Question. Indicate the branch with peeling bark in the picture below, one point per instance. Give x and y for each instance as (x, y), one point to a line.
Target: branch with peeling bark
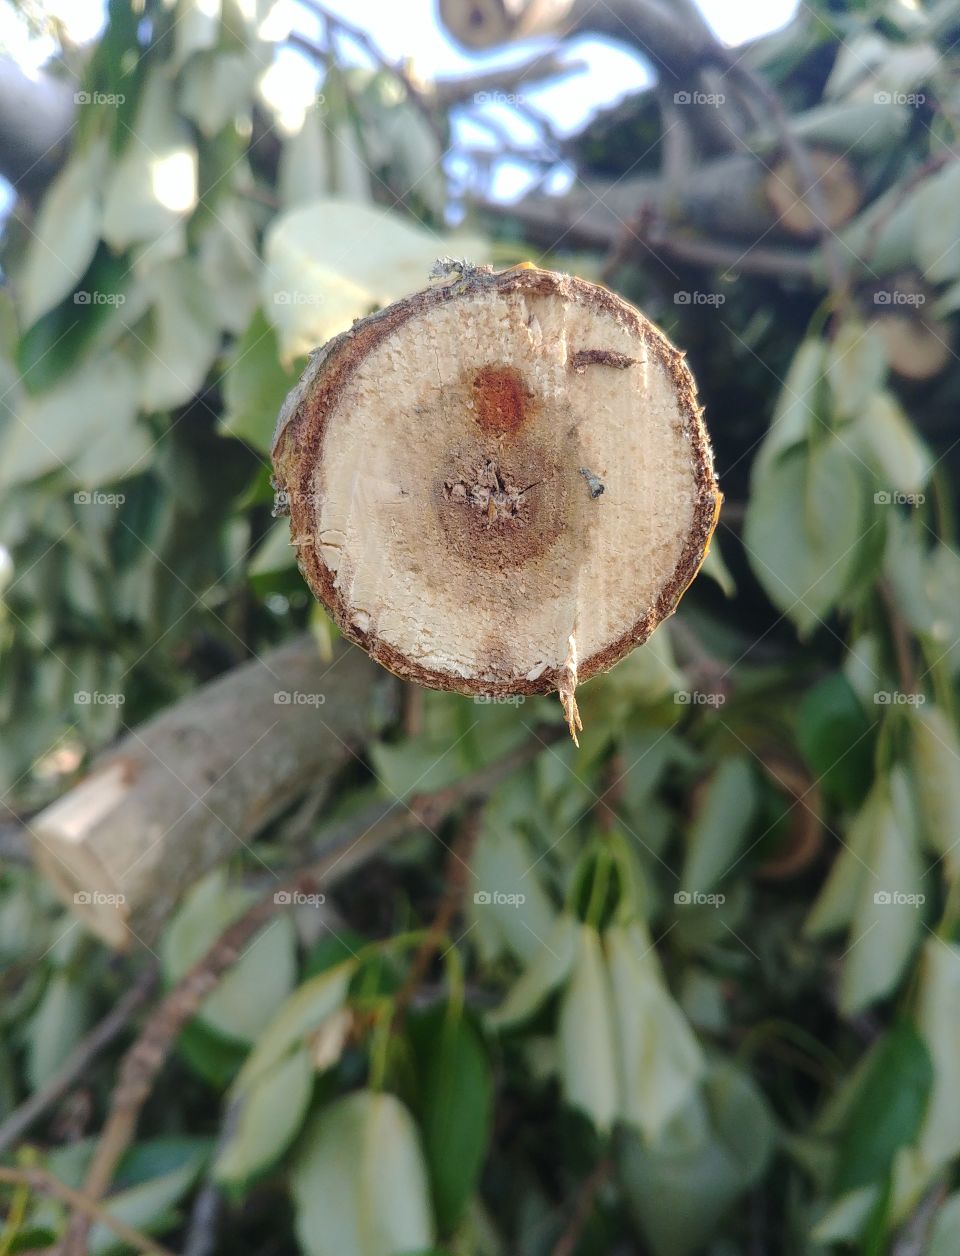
(179, 794)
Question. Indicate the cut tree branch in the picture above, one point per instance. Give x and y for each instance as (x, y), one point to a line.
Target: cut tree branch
(179, 794)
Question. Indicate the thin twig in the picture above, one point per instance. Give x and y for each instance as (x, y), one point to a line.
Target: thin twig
(79, 1059)
(566, 1245)
(41, 1180)
(347, 844)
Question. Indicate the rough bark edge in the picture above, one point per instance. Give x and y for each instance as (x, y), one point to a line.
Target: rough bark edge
(298, 447)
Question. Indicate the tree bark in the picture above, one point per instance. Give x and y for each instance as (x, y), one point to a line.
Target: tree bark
(194, 785)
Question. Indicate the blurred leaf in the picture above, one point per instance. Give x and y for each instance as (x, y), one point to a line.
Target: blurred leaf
(856, 367)
(798, 406)
(659, 1058)
(938, 1020)
(937, 240)
(266, 1118)
(549, 967)
(720, 825)
(803, 529)
(887, 1111)
(55, 1026)
(510, 906)
(332, 261)
(586, 1032)
(945, 1239)
(837, 740)
(359, 1181)
(184, 335)
(65, 235)
(255, 385)
(454, 1106)
(936, 771)
(153, 186)
(268, 964)
(147, 1207)
(887, 439)
(301, 1015)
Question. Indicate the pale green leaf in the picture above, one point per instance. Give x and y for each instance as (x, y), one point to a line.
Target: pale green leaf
(53, 1029)
(549, 968)
(937, 240)
(856, 367)
(887, 439)
(720, 826)
(359, 1181)
(586, 1033)
(799, 405)
(268, 1116)
(938, 1020)
(184, 335)
(64, 237)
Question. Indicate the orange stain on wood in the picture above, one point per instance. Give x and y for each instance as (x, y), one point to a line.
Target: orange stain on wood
(502, 403)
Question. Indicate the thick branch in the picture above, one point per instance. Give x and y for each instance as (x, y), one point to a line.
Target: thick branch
(182, 792)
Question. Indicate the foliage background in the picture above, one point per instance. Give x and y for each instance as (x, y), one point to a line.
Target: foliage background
(726, 1016)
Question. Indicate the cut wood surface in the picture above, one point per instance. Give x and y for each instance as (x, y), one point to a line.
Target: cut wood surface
(186, 790)
(500, 484)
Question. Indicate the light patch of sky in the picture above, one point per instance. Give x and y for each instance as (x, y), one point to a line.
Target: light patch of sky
(409, 29)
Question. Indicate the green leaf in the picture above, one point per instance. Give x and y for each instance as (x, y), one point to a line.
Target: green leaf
(887, 1110)
(798, 407)
(586, 1034)
(938, 1020)
(268, 965)
(255, 385)
(54, 1028)
(64, 237)
(837, 740)
(267, 1117)
(359, 1181)
(856, 367)
(153, 186)
(720, 825)
(887, 439)
(659, 1059)
(937, 239)
(945, 1239)
(183, 338)
(547, 970)
(332, 261)
(454, 1108)
(804, 528)
(147, 1206)
(889, 911)
(936, 771)
(510, 905)
(300, 1017)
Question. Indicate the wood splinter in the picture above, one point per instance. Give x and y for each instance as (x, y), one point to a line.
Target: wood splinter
(465, 394)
